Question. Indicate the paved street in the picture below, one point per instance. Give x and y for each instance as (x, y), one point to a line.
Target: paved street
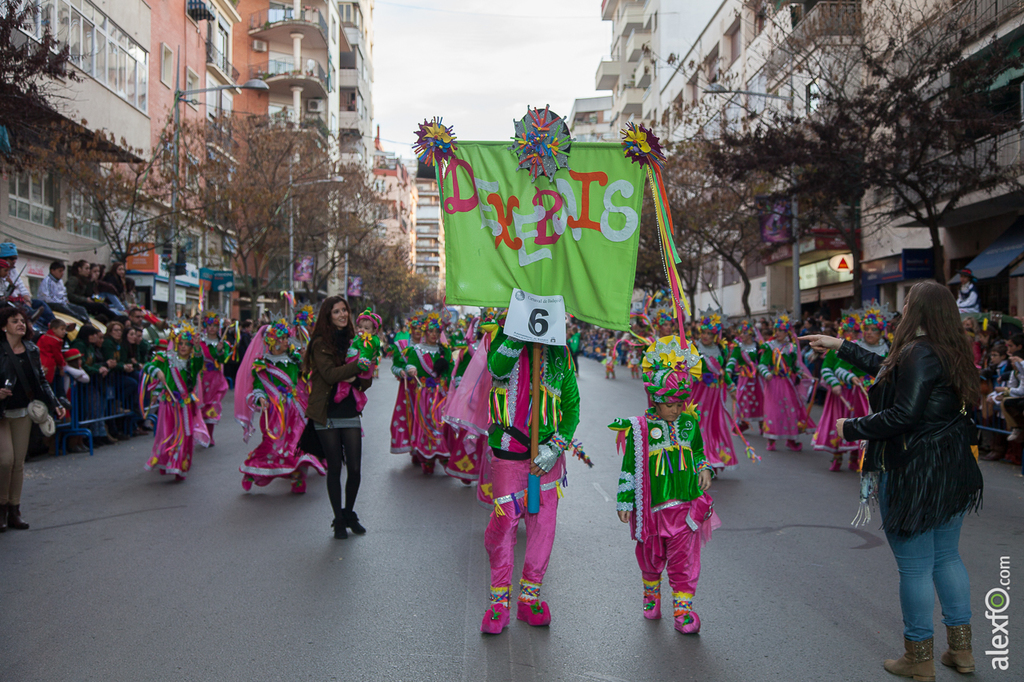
(126, 575)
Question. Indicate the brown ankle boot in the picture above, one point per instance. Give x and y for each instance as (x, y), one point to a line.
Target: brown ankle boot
(917, 662)
(14, 519)
(3, 517)
(959, 654)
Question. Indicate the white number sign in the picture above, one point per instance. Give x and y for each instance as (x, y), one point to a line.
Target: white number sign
(540, 319)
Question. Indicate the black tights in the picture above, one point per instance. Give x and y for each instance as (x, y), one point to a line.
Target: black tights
(342, 447)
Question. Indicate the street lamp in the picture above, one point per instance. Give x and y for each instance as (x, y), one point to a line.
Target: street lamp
(718, 89)
(179, 96)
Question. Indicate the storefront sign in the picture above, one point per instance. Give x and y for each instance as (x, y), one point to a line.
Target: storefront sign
(220, 280)
(143, 258)
(910, 264)
(841, 263)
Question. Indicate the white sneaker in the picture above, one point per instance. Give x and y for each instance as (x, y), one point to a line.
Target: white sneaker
(1015, 435)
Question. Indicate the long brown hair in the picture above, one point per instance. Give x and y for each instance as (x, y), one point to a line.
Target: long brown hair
(932, 309)
(336, 339)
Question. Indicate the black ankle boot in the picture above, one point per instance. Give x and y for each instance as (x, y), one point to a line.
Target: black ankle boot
(3, 518)
(339, 529)
(352, 521)
(14, 519)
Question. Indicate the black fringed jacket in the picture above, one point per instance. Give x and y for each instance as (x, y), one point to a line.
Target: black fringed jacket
(920, 435)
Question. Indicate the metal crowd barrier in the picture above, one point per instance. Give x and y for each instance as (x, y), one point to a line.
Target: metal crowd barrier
(104, 399)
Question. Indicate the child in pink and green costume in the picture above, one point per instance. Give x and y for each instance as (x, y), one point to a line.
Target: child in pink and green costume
(664, 481)
(509, 362)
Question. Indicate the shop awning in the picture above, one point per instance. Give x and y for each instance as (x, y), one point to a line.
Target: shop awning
(999, 254)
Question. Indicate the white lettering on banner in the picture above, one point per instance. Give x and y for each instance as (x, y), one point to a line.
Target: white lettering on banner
(492, 188)
(568, 206)
(632, 220)
(520, 220)
(537, 319)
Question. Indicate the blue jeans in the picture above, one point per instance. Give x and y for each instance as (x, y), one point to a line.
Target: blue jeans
(930, 563)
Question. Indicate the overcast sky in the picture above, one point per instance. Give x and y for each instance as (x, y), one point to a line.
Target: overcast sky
(480, 63)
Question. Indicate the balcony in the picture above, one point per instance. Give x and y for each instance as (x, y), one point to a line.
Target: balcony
(635, 44)
(281, 75)
(198, 11)
(607, 77)
(644, 73)
(983, 16)
(220, 61)
(349, 120)
(277, 25)
(631, 20)
(220, 134)
(630, 101)
(348, 78)
(824, 22)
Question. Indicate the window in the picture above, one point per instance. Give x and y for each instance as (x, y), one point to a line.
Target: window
(83, 218)
(735, 38)
(813, 95)
(31, 197)
(730, 275)
(192, 83)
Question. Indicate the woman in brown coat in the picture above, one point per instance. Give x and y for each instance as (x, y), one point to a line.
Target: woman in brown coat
(337, 424)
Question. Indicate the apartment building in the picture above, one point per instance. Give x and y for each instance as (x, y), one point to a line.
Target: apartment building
(397, 222)
(430, 258)
(589, 120)
(110, 48)
(356, 82)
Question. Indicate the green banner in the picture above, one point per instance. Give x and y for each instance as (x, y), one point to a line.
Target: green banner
(576, 236)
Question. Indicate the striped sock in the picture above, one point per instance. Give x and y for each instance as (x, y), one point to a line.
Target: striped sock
(682, 603)
(501, 594)
(528, 592)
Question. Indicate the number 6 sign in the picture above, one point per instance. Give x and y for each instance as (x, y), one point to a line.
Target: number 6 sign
(540, 319)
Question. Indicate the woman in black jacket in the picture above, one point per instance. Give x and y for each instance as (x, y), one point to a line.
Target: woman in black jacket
(920, 447)
(21, 378)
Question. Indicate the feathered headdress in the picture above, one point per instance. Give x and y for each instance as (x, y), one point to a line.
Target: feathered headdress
(210, 318)
(184, 333)
(372, 317)
(279, 329)
(432, 322)
(660, 309)
(783, 322)
(669, 370)
(849, 321)
(876, 315)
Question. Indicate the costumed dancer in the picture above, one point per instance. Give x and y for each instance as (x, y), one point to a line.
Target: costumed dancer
(267, 392)
(743, 359)
(633, 360)
(664, 481)
(215, 352)
(609, 363)
(843, 401)
(401, 416)
(305, 318)
(174, 375)
(711, 391)
(367, 343)
(967, 299)
(785, 414)
(428, 370)
(465, 443)
(511, 405)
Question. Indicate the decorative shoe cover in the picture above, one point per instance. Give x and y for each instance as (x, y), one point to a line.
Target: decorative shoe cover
(837, 464)
(795, 446)
(536, 613)
(247, 483)
(771, 445)
(496, 617)
(652, 599)
(689, 623)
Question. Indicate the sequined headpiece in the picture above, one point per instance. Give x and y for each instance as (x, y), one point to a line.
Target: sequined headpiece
(875, 315)
(783, 322)
(372, 317)
(304, 316)
(746, 327)
(416, 321)
(849, 321)
(710, 321)
(279, 329)
(210, 318)
(432, 323)
(185, 333)
(669, 369)
(660, 309)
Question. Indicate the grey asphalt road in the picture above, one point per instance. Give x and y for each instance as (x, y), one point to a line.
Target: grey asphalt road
(126, 575)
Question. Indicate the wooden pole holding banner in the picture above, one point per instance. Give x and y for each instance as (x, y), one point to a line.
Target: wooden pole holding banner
(533, 485)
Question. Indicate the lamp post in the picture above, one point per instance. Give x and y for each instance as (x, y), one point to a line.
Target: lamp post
(180, 96)
(717, 89)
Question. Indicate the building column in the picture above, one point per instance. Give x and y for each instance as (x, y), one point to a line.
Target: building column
(297, 102)
(297, 52)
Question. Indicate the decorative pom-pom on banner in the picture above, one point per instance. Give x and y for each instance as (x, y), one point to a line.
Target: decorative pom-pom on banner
(541, 142)
(434, 142)
(642, 146)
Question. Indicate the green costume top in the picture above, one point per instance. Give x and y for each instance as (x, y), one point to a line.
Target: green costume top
(737, 365)
(778, 360)
(367, 346)
(574, 343)
(720, 354)
(440, 360)
(92, 356)
(219, 351)
(190, 370)
(289, 363)
(673, 458)
(559, 394)
(845, 372)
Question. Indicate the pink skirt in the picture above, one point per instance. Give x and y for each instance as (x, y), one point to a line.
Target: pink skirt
(749, 399)
(178, 429)
(280, 457)
(485, 484)
(785, 415)
(401, 421)
(427, 437)
(715, 428)
(464, 452)
(826, 438)
(215, 387)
